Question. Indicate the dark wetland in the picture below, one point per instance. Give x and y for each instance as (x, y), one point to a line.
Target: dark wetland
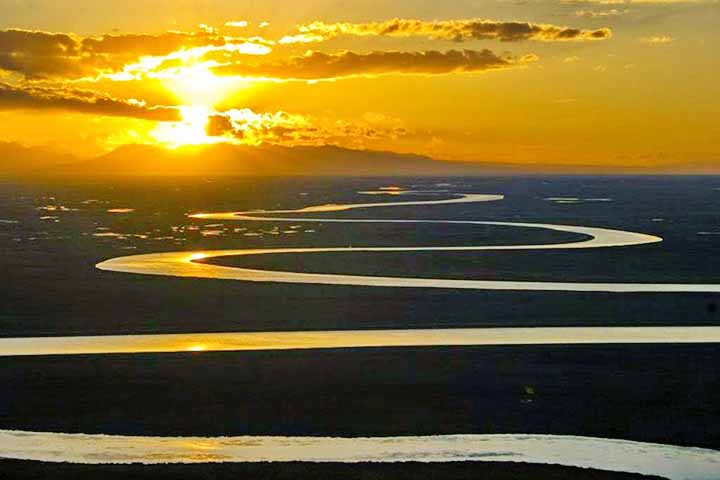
(53, 233)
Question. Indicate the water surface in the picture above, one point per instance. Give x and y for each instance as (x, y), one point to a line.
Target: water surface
(675, 463)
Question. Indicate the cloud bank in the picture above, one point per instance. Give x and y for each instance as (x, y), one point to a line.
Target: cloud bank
(455, 30)
(319, 65)
(42, 55)
(282, 128)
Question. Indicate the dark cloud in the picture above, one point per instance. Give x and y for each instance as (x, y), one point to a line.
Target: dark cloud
(318, 65)
(37, 54)
(143, 44)
(41, 66)
(218, 125)
(455, 30)
(283, 128)
(34, 53)
(12, 97)
(37, 43)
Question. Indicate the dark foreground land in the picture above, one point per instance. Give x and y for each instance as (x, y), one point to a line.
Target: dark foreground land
(14, 469)
(652, 393)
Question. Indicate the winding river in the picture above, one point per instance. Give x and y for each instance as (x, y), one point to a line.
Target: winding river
(677, 463)
(186, 264)
(608, 454)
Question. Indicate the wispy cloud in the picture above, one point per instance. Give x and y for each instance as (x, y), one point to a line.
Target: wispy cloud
(601, 13)
(237, 23)
(282, 128)
(636, 2)
(658, 40)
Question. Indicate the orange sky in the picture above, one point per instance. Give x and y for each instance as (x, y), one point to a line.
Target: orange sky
(610, 83)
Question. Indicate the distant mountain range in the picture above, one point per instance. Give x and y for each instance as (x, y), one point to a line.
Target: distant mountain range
(20, 160)
(227, 159)
(267, 160)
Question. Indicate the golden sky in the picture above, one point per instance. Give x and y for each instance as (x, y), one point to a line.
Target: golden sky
(575, 82)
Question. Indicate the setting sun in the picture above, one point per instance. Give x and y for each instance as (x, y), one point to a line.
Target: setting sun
(199, 91)
(197, 86)
(191, 130)
(557, 88)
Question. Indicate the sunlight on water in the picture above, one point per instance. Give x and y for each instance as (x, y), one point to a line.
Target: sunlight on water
(241, 341)
(177, 264)
(668, 461)
(675, 463)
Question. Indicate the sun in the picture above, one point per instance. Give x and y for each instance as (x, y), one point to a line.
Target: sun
(200, 91)
(191, 130)
(197, 85)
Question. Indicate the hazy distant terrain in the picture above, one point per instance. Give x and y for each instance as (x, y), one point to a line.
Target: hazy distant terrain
(273, 160)
(226, 159)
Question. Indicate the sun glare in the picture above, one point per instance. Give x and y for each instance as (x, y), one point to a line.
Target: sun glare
(196, 85)
(200, 91)
(191, 130)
